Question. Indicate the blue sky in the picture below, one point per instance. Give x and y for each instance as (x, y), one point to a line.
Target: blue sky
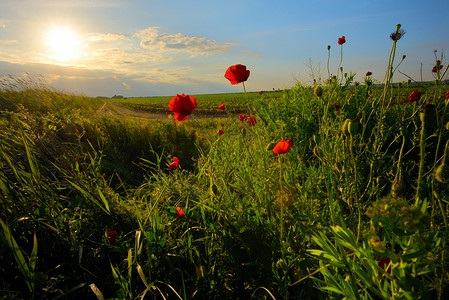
(149, 48)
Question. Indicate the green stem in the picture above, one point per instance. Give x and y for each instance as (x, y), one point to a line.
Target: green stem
(328, 59)
(398, 171)
(341, 60)
(281, 204)
(355, 188)
(422, 155)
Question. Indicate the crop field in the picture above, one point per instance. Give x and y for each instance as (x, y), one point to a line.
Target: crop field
(331, 191)
(238, 102)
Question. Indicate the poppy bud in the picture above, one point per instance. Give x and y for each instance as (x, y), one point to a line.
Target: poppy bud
(353, 126)
(428, 117)
(442, 173)
(318, 91)
(344, 127)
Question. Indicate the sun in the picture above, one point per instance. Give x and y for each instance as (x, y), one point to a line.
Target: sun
(63, 43)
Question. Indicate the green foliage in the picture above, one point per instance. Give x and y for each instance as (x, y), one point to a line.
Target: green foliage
(319, 221)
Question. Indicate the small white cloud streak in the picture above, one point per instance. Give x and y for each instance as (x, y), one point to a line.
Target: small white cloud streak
(153, 40)
(106, 37)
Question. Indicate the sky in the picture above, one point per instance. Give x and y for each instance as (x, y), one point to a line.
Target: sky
(161, 48)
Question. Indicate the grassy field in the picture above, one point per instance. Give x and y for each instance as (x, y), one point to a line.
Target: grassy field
(95, 206)
(237, 102)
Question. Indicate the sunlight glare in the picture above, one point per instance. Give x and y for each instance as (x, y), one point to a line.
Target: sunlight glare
(64, 44)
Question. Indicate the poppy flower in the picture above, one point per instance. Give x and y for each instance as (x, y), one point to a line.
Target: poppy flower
(180, 212)
(414, 96)
(111, 235)
(182, 106)
(243, 118)
(341, 40)
(222, 107)
(368, 74)
(220, 132)
(436, 68)
(174, 165)
(237, 74)
(337, 108)
(283, 146)
(261, 92)
(447, 95)
(384, 262)
(252, 121)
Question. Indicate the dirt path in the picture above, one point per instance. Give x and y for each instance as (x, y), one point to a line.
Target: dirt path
(114, 110)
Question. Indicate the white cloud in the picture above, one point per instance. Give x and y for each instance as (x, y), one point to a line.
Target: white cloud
(152, 39)
(106, 37)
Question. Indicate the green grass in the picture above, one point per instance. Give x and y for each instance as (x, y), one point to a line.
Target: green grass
(357, 208)
(207, 104)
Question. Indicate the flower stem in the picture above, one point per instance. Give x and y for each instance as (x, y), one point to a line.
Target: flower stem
(422, 154)
(341, 60)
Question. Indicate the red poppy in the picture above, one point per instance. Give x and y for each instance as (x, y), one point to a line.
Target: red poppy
(384, 262)
(341, 40)
(180, 212)
(436, 68)
(283, 146)
(337, 107)
(111, 235)
(182, 106)
(447, 95)
(261, 92)
(368, 74)
(243, 117)
(237, 74)
(220, 132)
(252, 121)
(222, 107)
(414, 96)
(174, 165)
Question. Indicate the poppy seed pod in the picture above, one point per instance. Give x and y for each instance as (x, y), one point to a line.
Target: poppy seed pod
(344, 127)
(318, 91)
(353, 127)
